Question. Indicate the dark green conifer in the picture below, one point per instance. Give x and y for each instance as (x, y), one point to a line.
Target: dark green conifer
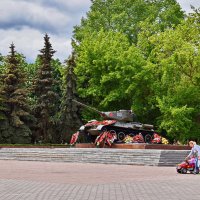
(46, 97)
(14, 109)
(70, 120)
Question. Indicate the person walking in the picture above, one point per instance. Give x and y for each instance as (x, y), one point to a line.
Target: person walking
(195, 153)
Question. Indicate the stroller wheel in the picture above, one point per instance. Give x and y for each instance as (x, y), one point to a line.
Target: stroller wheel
(183, 171)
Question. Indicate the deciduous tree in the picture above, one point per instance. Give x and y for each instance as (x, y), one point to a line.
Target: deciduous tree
(175, 64)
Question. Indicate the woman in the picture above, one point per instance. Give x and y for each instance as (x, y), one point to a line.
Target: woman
(195, 153)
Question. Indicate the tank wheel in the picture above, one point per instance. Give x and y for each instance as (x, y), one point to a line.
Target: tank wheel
(113, 132)
(183, 171)
(121, 136)
(148, 138)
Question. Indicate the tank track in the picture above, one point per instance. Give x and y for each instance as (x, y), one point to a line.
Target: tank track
(122, 132)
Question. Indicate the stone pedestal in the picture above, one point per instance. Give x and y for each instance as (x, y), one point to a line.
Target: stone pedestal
(137, 146)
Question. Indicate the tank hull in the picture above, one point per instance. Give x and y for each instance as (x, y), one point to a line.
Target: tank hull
(120, 129)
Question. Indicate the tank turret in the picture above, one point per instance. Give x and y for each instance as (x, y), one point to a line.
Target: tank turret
(121, 115)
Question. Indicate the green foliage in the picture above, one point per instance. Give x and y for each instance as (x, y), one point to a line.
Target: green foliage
(46, 96)
(176, 81)
(125, 16)
(176, 120)
(112, 72)
(105, 67)
(139, 54)
(69, 113)
(14, 109)
(2, 66)
(158, 76)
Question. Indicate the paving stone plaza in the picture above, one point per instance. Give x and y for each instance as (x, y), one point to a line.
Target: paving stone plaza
(36, 180)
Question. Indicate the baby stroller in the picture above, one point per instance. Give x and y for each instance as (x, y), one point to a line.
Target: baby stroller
(187, 165)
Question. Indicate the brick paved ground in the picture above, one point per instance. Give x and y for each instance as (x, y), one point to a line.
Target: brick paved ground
(27, 180)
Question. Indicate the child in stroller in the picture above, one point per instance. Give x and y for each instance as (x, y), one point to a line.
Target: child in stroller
(187, 165)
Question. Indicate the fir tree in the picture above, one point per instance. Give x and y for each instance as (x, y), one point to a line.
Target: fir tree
(70, 121)
(46, 97)
(14, 109)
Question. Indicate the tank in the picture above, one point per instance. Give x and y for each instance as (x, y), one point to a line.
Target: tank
(122, 123)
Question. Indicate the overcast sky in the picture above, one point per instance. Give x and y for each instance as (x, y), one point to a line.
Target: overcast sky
(25, 22)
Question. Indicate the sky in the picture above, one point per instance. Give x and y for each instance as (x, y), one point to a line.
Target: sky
(25, 22)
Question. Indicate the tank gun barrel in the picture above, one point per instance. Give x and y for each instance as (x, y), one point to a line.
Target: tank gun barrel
(88, 107)
(121, 115)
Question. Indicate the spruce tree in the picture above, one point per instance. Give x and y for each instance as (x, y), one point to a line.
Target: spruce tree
(46, 97)
(14, 110)
(1, 85)
(70, 120)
